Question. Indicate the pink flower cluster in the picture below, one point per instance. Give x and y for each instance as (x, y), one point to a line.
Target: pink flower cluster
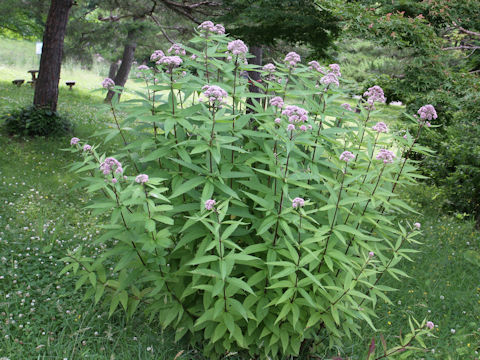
(141, 179)
(427, 112)
(347, 106)
(210, 204)
(335, 69)
(269, 67)
(295, 114)
(291, 59)
(374, 94)
(111, 164)
(237, 47)
(170, 61)
(314, 65)
(87, 147)
(214, 94)
(108, 83)
(143, 67)
(386, 155)
(347, 156)
(417, 225)
(381, 127)
(74, 141)
(298, 202)
(177, 49)
(330, 78)
(157, 55)
(277, 101)
(208, 26)
(430, 325)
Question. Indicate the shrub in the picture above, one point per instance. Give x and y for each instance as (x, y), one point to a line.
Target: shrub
(32, 121)
(241, 221)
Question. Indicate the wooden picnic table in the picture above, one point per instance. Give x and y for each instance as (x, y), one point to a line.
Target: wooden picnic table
(34, 74)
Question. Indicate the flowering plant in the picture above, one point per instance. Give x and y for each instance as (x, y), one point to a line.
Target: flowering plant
(258, 226)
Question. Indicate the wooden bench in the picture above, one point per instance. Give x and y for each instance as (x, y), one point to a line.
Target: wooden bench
(70, 84)
(18, 82)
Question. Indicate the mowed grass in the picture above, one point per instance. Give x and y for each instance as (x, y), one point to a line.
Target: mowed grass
(41, 316)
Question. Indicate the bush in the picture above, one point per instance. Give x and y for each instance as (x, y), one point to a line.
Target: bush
(32, 121)
(242, 223)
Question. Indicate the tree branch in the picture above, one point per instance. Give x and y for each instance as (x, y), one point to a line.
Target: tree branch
(462, 47)
(469, 32)
(156, 21)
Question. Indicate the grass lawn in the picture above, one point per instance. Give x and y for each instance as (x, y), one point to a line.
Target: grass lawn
(41, 317)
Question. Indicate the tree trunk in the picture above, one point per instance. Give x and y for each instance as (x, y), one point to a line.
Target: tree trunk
(257, 51)
(46, 86)
(127, 61)
(112, 72)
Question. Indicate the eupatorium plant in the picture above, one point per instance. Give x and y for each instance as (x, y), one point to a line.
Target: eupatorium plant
(254, 223)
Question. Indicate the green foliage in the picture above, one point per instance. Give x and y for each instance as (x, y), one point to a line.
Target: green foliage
(266, 22)
(32, 121)
(252, 274)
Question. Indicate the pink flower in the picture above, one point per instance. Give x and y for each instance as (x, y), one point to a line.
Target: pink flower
(277, 121)
(74, 141)
(292, 59)
(157, 55)
(210, 204)
(177, 49)
(298, 203)
(314, 65)
(114, 180)
(170, 61)
(277, 101)
(290, 127)
(143, 67)
(109, 165)
(430, 325)
(371, 254)
(207, 26)
(193, 57)
(347, 156)
(386, 155)
(269, 67)
(374, 94)
(108, 83)
(381, 127)
(335, 69)
(237, 47)
(87, 147)
(295, 114)
(427, 112)
(141, 179)
(303, 127)
(417, 225)
(219, 29)
(347, 106)
(330, 78)
(214, 94)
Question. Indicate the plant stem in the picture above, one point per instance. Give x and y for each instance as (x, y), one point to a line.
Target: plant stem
(334, 217)
(365, 177)
(212, 135)
(280, 206)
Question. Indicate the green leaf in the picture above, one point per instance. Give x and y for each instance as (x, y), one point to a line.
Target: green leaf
(240, 284)
(187, 186)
